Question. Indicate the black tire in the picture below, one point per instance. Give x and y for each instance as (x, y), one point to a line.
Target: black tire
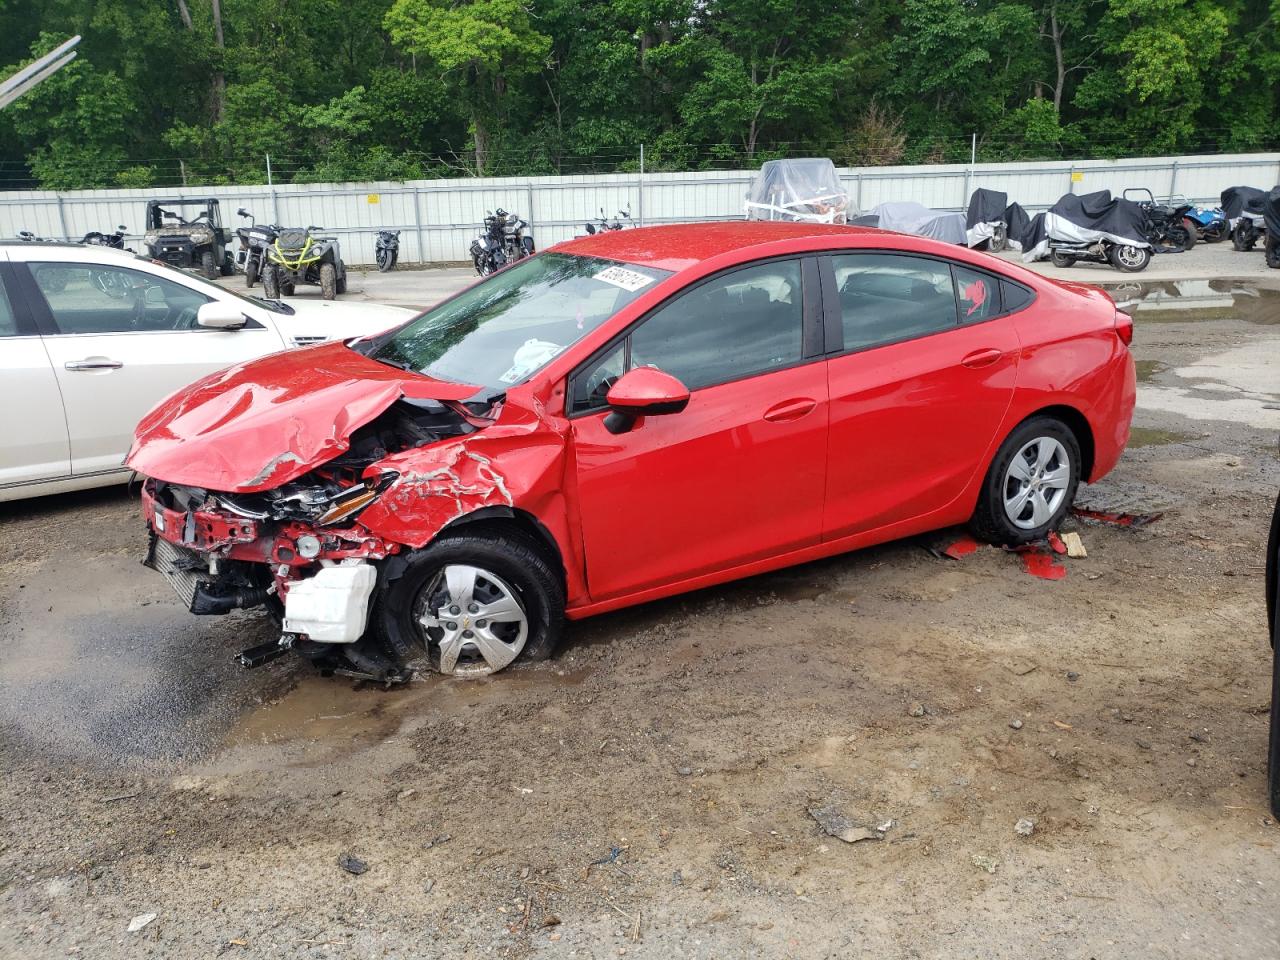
(328, 281)
(1271, 249)
(989, 521)
(1244, 236)
(1180, 238)
(385, 260)
(395, 258)
(208, 265)
(1139, 258)
(1193, 232)
(271, 283)
(228, 265)
(342, 284)
(527, 247)
(510, 554)
(1062, 260)
(250, 273)
(999, 240)
(288, 287)
(484, 266)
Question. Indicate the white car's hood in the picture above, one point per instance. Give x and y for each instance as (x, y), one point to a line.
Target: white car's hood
(314, 320)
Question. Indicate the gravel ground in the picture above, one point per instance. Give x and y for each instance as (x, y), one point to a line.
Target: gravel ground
(655, 790)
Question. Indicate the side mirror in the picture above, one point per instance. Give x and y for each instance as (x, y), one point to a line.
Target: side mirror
(241, 211)
(643, 392)
(217, 315)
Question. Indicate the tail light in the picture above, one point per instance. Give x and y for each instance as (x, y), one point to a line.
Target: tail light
(1124, 327)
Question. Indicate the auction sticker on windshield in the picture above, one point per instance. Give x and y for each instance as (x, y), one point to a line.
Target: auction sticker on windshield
(628, 280)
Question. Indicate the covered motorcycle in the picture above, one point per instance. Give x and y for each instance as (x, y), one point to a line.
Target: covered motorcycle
(986, 220)
(806, 189)
(1242, 206)
(1271, 218)
(1094, 227)
(906, 216)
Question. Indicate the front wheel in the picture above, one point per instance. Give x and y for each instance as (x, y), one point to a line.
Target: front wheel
(1031, 483)
(1193, 231)
(328, 281)
(999, 239)
(472, 604)
(1129, 259)
(1062, 260)
(250, 272)
(1244, 236)
(271, 283)
(385, 260)
(1181, 238)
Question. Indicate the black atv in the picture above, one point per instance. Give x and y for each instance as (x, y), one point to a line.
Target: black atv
(197, 242)
(299, 256)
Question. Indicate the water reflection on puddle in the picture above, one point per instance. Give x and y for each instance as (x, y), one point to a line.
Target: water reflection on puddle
(1197, 300)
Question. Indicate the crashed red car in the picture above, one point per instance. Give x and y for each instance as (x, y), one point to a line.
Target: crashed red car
(624, 417)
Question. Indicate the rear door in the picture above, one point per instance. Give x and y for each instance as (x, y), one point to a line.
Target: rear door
(33, 443)
(121, 340)
(921, 378)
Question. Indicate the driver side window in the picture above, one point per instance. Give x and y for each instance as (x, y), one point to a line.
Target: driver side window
(92, 299)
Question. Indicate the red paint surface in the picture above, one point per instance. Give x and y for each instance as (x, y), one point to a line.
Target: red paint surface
(964, 547)
(646, 386)
(1043, 565)
(833, 454)
(1056, 544)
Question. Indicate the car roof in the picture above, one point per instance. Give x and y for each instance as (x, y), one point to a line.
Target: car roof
(679, 246)
(64, 247)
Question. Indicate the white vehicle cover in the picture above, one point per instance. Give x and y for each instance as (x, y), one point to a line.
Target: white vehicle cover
(1085, 218)
(799, 190)
(906, 216)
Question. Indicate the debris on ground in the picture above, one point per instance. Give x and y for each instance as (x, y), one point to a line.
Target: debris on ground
(435, 842)
(916, 709)
(1128, 521)
(1025, 827)
(984, 862)
(1072, 676)
(1055, 543)
(1074, 545)
(1042, 564)
(352, 864)
(140, 921)
(834, 822)
(959, 549)
(1015, 724)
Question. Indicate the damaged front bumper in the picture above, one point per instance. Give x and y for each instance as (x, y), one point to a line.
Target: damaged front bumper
(318, 581)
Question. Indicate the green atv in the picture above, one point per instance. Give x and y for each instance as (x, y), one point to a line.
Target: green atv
(299, 256)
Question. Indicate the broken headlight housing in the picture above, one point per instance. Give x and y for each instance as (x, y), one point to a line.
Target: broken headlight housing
(322, 502)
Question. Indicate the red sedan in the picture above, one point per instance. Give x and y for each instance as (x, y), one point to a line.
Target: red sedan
(624, 417)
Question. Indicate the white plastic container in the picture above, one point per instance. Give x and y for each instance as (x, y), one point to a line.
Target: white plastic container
(332, 606)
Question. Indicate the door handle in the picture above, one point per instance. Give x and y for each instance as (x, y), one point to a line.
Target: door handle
(94, 363)
(982, 358)
(789, 410)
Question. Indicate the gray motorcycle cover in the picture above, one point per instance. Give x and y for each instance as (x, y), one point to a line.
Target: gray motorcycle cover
(914, 218)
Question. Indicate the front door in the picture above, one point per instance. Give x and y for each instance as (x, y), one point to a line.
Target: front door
(920, 386)
(124, 340)
(738, 475)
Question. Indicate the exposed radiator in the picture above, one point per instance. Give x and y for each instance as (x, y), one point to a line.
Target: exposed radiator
(183, 568)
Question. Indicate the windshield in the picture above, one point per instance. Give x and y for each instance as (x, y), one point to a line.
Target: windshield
(503, 330)
(275, 306)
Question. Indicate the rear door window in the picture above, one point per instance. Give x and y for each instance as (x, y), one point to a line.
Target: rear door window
(885, 297)
(977, 294)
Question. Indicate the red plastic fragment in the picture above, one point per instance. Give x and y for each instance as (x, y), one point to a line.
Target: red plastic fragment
(1130, 521)
(1056, 544)
(1043, 565)
(962, 548)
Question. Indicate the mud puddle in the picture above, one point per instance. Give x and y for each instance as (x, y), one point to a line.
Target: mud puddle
(1150, 437)
(1171, 301)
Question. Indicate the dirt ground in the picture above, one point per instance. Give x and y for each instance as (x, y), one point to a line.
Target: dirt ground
(647, 793)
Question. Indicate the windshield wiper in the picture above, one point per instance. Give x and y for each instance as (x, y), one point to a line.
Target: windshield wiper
(277, 306)
(398, 364)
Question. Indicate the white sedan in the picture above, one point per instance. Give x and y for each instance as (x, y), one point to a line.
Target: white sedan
(91, 338)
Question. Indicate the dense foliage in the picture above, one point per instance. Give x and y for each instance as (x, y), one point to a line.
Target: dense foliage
(173, 91)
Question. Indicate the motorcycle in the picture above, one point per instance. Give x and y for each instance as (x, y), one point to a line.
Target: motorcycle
(386, 250)
(1126, 258)
(1164, 225)
(1209, 225)
(502, 241)
(113, 240)
(602, 224)
(255, 241)
(1242, 207)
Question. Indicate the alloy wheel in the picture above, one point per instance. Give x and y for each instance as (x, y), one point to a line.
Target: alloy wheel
(1035, 483)
(474, 619)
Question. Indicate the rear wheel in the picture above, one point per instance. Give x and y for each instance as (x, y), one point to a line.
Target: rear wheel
(1062, 260)
(1271, 248)
(271, 283)
(1129, 259)
(472, 604)
(328, 281)
(1244, 236)
(228, 265)
(1181, 238)
(208, 265)
(342, 284)
(1031, 483)
(1193, 230)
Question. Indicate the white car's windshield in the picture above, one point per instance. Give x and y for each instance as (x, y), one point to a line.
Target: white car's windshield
(275, 306)
(500, 332)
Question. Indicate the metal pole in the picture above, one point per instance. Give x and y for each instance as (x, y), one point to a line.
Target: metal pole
(1071, 179)
(62, 217)
(1173, 180)
(640, 190)
(268, 169)
(37, 71)
(417, 226)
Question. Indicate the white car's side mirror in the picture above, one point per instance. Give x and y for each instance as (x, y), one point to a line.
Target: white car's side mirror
(217, 315)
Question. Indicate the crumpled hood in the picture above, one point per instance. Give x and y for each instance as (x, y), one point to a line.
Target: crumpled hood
(255, 426)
